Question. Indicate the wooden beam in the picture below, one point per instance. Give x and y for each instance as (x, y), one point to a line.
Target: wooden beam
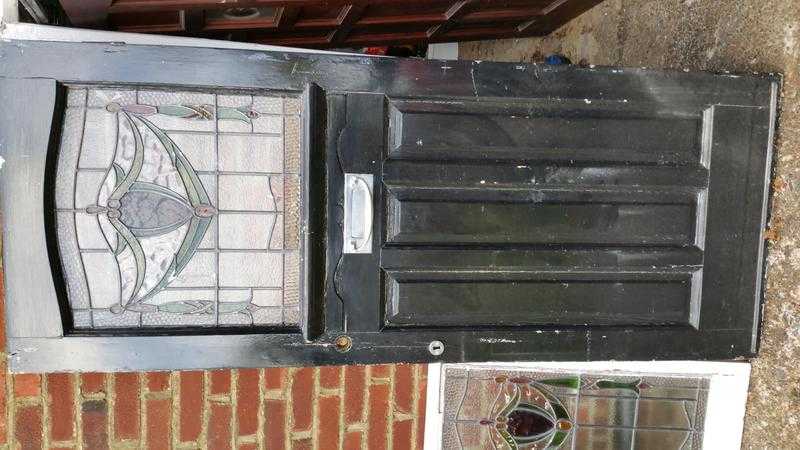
(348, 16)
(44, 12)
(500, 15)
(526, 24)
(192, 20)
(286, 17)
(451, 17)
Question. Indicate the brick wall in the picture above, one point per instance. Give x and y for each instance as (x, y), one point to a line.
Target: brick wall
(353, 407)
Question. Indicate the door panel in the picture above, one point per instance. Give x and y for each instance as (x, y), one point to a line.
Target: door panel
(465, 217)
(464, 298)
(543, 130)
(542, 212)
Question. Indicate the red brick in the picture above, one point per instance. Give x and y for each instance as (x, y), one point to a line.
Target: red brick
(191, 405)
(378, 416)
(302, 398)
(329, 377)
(220, 382)
(381, 371)
(28, 427)
(248, 446)
(422, 386)
(302, 444)
(158, 381)
(352, 440)
(159, 418)
(27, 385)
(403, 387)
(329, 420)
(93, 383)
(3, 395)
(2, 308)
(219, 427)
(355, 383)
(94, 421)
(274, 426)
(247, 399)
(61, 395)
(274, 378)
(126, 406)
(401, 435)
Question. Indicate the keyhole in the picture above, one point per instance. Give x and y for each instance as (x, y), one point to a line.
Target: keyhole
(436, 348)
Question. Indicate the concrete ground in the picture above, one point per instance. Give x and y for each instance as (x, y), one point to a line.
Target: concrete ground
(716, 35)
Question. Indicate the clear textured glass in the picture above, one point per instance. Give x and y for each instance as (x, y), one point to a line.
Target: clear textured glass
(172, 209)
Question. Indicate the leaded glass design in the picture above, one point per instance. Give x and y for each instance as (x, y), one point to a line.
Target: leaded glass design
(180, 208)
(508, 409)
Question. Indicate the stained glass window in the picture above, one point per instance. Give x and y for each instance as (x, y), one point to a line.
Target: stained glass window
(508, 409)
(180, 208)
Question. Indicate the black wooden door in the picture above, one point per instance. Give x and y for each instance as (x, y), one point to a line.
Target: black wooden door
(458, 211)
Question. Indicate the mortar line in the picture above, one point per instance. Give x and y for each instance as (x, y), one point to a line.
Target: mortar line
(234, 406)
(10, 408)
(367, 410)
(342, 405)
(76, 388)
(203, 438)
(315, 408)
(45, 412)
(392, 408)
(262, 421)
(111, 397)
(175, 424)
(143, 379)
(288, 417)
(415, 378)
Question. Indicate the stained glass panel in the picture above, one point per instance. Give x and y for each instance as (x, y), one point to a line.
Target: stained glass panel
(511, 409)
(180, 208)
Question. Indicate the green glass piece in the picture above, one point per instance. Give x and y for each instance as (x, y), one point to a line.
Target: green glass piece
(119, 174)
(632, 386)
(204, 307)
(234, 307)
(203, 112)
(558, 440)
(121, 245)
(558, 408)
(512, 404)
(226, 112)
(136, 165)
(567, 382)
(138, 255)
(197, 229)
(162, 283)
(191, 181)
(188, 307)
(508, 439)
